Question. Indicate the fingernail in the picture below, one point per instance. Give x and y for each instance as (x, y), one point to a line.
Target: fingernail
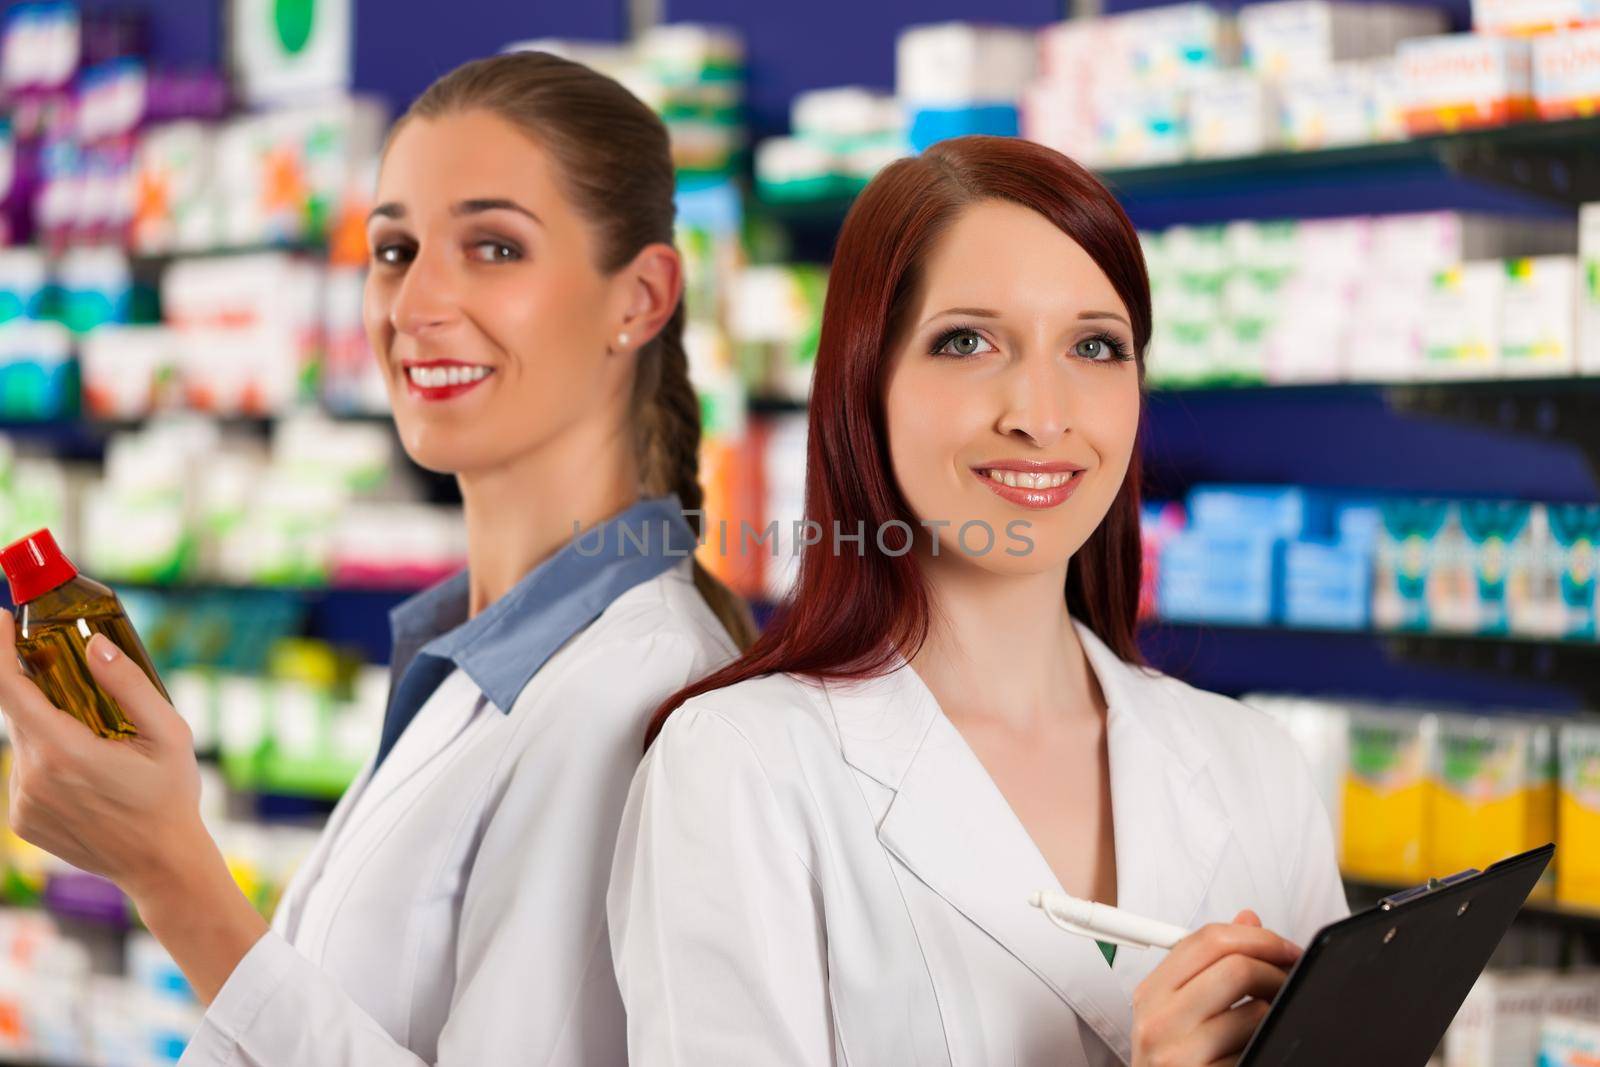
(105, 650)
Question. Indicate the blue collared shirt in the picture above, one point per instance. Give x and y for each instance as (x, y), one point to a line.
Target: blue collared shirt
(502, 647)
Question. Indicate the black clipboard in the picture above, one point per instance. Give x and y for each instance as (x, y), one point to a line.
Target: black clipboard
(1379, 989)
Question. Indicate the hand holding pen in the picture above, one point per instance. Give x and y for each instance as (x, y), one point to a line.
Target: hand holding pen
(1188, 1010)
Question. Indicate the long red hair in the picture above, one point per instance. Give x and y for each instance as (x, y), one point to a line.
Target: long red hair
(850, 614)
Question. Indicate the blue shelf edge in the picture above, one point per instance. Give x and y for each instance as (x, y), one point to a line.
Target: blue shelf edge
(1487, 674)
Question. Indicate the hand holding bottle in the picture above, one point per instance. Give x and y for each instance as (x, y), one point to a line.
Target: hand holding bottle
(127, 809)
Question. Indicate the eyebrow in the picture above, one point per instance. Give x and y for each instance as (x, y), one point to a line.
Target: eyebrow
(1105, 315)
(990, 313)
(975, 313)
(476, 206)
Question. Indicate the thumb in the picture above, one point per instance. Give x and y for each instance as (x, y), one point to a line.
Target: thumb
(129, 686)
(1247, 918)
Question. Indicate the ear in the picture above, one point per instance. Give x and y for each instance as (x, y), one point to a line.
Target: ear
(652, 286)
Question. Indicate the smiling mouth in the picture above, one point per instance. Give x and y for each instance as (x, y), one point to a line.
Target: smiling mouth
(1035, 490)
(443, 380)
(439, 375)
(1029, 479)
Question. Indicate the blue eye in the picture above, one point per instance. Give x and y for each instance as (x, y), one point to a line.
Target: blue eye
(961, 342)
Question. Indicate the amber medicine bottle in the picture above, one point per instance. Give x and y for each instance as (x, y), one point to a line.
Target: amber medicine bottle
(57, 611)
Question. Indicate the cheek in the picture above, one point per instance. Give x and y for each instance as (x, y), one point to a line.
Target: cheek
(548, 322)
(1110, 424)
(1122, 417)
(933, 416)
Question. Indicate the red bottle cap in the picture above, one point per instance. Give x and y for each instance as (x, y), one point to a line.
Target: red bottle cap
(34, 566)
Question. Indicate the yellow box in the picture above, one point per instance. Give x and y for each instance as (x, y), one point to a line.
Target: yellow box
(1578, 817)
(1386, 796)
(1493, 793)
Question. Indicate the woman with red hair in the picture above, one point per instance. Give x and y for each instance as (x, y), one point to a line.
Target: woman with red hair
(828, 853)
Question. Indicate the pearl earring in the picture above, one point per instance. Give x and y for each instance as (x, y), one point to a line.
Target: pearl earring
(622, 340)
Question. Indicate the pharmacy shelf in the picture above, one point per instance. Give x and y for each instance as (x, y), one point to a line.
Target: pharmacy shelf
(84, 439)
(1486, 673)
(100, 428)
(314, 248)
(352, 618)
(1552, 159)
(1529, 167)
(775, 405)
(75, 439)
(1537, 168)
(1531, 440)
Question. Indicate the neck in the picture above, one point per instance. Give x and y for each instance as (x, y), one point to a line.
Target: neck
(1003, 647)
(522, 512)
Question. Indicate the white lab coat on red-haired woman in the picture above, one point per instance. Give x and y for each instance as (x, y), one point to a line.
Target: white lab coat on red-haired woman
(818, 874)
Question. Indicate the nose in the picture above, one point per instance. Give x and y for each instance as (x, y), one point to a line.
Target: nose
(427, 297)
(1036, 396)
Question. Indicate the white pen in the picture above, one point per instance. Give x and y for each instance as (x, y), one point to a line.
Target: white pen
(1102, 922)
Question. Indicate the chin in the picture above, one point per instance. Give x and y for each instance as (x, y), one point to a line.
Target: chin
(433, 448)
(1043, 558)
(1025, 542)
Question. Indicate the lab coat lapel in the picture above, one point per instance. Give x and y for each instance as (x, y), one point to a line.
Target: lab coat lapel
(447, 713)
(952, 828)
(1170, 827)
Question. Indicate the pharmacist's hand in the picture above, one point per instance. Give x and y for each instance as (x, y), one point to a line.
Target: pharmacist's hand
(125, 809)
(1184, 1013)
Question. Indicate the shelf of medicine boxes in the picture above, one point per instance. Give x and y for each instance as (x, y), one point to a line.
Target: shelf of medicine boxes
(1556, 161)
(353, 618)
(1529, 440)
(83, 437)
(1554, 164)
(1554, 676)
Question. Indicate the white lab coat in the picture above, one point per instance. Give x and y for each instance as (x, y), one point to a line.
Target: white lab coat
(825, 874)
(454, 909)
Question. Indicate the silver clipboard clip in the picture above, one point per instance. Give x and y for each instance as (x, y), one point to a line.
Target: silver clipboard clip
(1394, 900)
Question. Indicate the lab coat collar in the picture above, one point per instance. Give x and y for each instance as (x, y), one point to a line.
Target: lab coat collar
(883, 720)
(503, 646)
(951, 826)
(499, 650)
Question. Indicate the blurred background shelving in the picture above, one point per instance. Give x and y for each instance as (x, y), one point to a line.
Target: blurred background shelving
(1377, 353)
